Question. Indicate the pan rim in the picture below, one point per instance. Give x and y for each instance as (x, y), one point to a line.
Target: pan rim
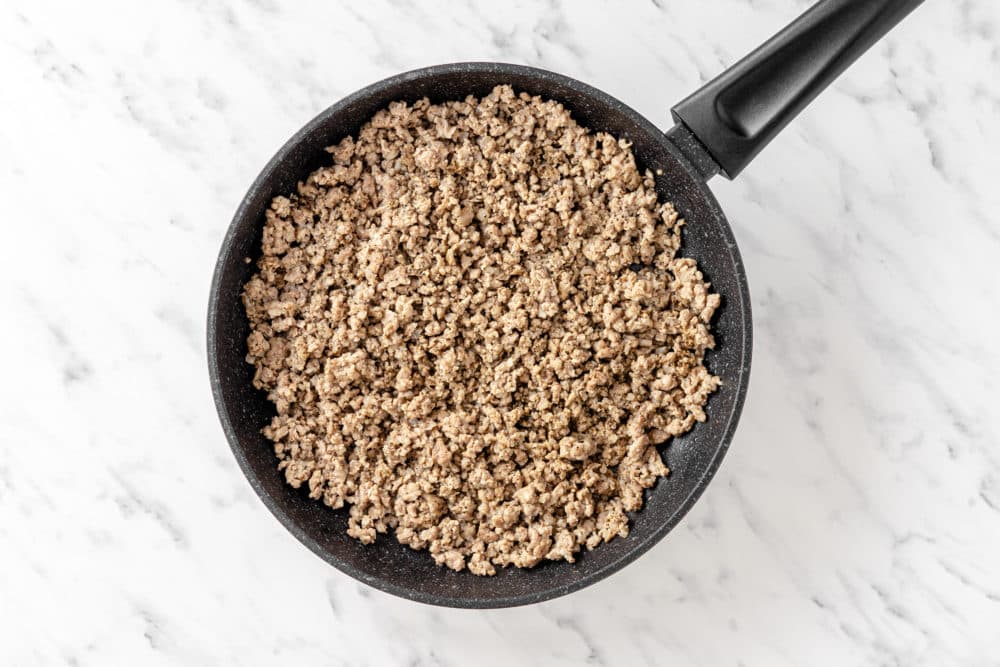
(541, 594)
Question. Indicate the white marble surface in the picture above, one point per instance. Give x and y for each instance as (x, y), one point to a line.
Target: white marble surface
(856, 520)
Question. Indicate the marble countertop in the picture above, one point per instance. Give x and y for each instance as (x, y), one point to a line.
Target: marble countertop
(856, 520)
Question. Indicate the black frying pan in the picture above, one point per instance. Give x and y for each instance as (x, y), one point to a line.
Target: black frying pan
(719, 129)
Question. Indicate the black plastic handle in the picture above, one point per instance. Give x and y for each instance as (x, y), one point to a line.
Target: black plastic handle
(740, 111)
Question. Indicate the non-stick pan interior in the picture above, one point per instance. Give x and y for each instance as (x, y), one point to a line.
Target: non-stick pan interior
(388, 565)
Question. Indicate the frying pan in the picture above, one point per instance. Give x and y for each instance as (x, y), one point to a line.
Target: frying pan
(719, 129)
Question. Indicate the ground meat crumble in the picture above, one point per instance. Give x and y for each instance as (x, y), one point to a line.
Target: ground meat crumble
(476, 331)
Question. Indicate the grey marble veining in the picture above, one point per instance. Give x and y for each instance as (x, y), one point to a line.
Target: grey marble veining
(856, 520)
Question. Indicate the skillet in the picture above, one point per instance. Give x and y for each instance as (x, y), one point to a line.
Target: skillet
(718, 131)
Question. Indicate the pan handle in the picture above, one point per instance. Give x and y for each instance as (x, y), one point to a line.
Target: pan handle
(736, 114)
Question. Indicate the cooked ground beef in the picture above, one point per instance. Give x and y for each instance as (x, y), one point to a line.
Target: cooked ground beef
(476, 330)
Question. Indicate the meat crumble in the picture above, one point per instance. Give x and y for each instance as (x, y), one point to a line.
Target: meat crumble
(476, 331)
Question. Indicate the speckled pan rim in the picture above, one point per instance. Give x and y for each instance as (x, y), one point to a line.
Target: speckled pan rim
(638, 548)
